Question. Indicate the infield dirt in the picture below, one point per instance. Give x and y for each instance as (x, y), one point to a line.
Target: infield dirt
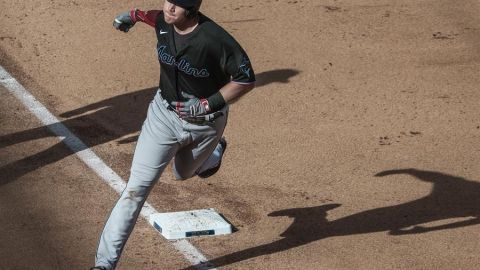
(358, 149)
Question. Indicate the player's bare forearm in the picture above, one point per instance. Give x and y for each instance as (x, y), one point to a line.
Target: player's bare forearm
(233, 91)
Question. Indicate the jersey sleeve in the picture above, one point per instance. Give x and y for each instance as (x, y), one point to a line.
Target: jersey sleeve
(149, 17)
(237, 64)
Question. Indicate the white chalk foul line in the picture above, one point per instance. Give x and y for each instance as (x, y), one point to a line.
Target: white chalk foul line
(192, 254)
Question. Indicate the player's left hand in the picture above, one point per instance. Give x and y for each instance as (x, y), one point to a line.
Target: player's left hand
(192, 107)
(124, 21)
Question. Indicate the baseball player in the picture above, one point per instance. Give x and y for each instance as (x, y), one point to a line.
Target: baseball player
(202, 69)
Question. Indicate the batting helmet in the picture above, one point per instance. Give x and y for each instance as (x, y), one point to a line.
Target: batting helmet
(192, 6)
(186, 4)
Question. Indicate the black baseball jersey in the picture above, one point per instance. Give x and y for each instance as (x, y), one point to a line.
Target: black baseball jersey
(208, 59)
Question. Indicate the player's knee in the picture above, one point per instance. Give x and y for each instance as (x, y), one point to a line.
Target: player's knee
(134, 194)
(180, 177)
(182, 174)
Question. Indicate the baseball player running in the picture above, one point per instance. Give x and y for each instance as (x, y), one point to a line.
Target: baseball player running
(202, 69)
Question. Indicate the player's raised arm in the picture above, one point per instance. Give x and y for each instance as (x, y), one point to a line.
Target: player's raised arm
(127, 20)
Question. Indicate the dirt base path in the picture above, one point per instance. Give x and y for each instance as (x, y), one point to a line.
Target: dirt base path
(358, 149)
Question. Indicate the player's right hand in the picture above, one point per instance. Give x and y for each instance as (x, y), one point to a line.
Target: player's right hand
(191, 108)
(123, 22)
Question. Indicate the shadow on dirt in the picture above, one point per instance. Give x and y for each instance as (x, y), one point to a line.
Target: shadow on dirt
(115, 119)
(451, 197)
(275, 76)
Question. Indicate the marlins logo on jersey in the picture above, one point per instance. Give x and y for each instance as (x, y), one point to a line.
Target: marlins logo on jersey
(246, 67)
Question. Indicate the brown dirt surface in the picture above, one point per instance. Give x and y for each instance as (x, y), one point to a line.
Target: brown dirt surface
(358, 149)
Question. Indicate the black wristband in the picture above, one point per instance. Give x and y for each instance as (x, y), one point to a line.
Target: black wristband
(216, 102)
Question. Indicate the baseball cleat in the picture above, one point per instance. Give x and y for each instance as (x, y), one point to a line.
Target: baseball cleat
(212, 171)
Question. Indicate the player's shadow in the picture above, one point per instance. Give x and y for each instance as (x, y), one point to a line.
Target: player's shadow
(275, 76)
(114, 119)
(94, 124)
(450, 197)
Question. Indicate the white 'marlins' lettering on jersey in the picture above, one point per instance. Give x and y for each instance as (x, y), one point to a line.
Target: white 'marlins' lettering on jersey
(182, 65)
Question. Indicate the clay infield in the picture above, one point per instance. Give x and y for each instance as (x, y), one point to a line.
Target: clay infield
(358, 149)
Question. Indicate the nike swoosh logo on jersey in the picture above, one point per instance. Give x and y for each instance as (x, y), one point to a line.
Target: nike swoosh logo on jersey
(162, 32)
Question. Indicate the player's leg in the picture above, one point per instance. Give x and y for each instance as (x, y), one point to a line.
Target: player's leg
(212, 164)
(204, 152)
(157, 144)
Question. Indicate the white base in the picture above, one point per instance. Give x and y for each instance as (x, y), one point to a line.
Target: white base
(177, 225)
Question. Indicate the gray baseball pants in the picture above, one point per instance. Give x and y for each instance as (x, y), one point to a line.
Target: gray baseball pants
(164, 136)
